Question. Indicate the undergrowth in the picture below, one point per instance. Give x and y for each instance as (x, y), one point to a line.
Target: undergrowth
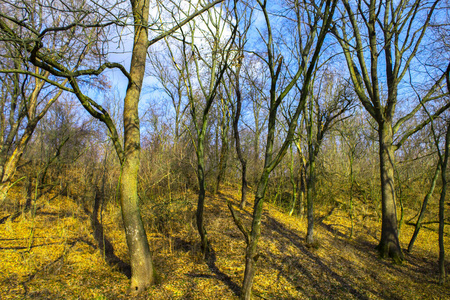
(54, 253)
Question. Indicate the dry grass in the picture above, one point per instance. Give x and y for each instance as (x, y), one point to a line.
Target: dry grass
(55, 256)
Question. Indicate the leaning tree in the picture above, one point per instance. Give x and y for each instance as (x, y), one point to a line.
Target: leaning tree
(46, 49)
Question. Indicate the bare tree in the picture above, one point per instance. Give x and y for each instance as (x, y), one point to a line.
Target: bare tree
(330, 100)
(24, 100)
(202, 88)
(380, 41)
(234, 75)
(41, 47)
(310, 35)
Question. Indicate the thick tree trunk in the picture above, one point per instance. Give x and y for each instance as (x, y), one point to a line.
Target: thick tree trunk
(251, 255)
(389, 245)
(140, 256)
(142, 272)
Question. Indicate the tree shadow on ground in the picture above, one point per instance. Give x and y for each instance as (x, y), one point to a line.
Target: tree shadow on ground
(351, 282)
(103, 243)
(424, 269)
(210, 259)
(318, 285)
(211, 262)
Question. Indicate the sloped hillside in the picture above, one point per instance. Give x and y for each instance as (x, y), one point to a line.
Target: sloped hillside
(59, 252)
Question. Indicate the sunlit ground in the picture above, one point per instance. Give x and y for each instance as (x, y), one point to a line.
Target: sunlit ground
(54, 254)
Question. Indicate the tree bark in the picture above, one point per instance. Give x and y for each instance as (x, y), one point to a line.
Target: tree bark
(310, 187)
(251, 255)
(441, 218)
(142, 272)
(201, 194)
(352, 180)
(310, 200)
(389, 245)
(444, 162)
(293, 183)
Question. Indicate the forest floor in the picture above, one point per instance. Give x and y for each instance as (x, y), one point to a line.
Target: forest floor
(55, 254)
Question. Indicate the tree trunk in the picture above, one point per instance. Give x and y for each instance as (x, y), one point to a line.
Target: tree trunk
(29, 193)
(423, 209)
(301, 185)
(242, 160)
(351, 194)
(142, 272)
(443, 161)
(389, 245)
(310, 201)
(223, 151)
(251, 255)
(10, 164)
(311, 177)
(293, 183)
(222, 166)
(201, 194)
(244, 186)
(441, 223)
(237, 139)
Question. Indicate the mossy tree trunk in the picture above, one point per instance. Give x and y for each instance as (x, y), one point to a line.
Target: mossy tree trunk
(202, 190)
(142, 272)
(52, 59)
(389, 245)
(251, 253)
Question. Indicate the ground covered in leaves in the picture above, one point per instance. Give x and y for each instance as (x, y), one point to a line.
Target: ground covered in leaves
(58, 251)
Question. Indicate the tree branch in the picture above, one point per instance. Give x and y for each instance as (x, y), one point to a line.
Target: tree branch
(184, 22)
